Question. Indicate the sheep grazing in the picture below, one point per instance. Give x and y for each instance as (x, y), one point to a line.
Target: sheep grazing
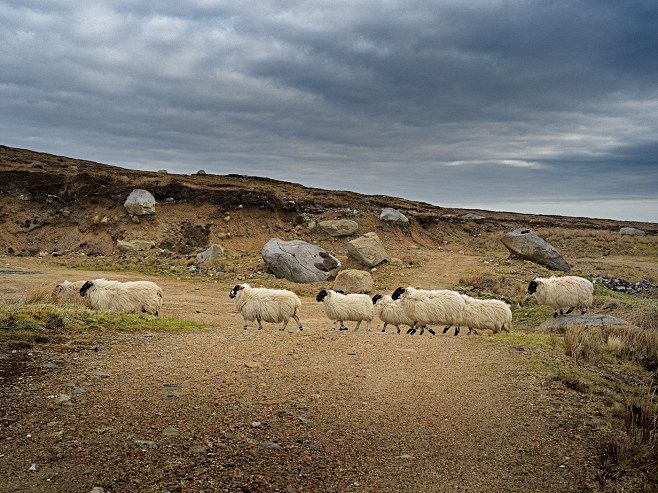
(426, 307)
(562, 293)
(342, 307)
(69, 292)
(127, 297)
(390, 311)
(270, 305)
(494, 315)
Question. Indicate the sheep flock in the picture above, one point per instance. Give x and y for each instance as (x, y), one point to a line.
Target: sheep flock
(406, 306)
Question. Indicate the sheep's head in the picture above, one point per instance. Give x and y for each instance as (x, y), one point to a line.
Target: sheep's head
(532, 287)
(85, 287)
(321, 295)
(397, 293)
(376, 298)
(236, 288)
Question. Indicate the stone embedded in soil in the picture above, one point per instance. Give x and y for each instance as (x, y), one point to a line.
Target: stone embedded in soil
(100, 374)
(49, 365)
(270, 445)
(78, 390)
(170, 432)
(146, 443)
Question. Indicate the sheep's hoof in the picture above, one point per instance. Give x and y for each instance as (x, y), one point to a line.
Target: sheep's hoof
(555, 315)
(383, 330)
(431, 331)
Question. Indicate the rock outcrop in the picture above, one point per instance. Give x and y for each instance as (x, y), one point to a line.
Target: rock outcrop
(299, 261)
(528, 245)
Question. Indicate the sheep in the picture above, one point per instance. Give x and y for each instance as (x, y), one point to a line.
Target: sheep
(69, 292)
(440, 306)
(563, 292)
(390, 311)
(494, 315)
(128, 297)
(270, 305)
(354, 307)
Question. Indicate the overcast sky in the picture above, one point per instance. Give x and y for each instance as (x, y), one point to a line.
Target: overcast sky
(532, 106)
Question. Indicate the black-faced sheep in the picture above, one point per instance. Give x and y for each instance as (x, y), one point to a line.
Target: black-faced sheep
(342, 307)
(127, 297)
(390, 311)
(562, 293)
(426, 307)
(270, 305)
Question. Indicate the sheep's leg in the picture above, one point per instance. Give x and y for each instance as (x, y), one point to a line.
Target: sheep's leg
(412, 329)
(457, 329)
(555, 315)
(245, 323)
(384, 328)
(342, 326)
(335, 322)
(570, 310)
(260, 325)
(398, 327)
(284, 325)
(584, 311)
(430, 330)
(368, 325)
(357, 325)
(299, 324)
(446, 328)
(422, 329)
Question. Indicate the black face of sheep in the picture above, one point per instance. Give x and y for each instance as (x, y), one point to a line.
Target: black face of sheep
(376, 298)
(532, 287)
(234, 291)
(321, 296)
(85, 287)
(397, 293)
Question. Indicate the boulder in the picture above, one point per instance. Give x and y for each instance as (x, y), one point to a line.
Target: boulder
(470, 215)
(631, 231)
(134, 245)
(140, 202)
(339, 227)
(353, 281)
(528, 245)
(210, 255)
(367, 249)
(560, 324)
(299, 261)
(394, 216)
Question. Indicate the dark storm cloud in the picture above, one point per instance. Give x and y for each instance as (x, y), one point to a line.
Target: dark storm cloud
(496, 102)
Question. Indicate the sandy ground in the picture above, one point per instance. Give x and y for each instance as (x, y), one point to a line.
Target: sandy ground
(223, 409)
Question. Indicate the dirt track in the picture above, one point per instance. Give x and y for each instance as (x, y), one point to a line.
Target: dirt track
(350, 411)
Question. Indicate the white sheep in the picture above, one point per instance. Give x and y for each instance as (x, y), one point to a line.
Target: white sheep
(69, 292)
(494, 315)
(441, 306)
(270, 305)
(390, 311)
(341, 307)
(563, 292)
(128, 297)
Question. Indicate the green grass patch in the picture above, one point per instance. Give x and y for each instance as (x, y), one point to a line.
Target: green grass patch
(44, 318)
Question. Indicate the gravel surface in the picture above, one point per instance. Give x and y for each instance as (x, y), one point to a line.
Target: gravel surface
(224, 409)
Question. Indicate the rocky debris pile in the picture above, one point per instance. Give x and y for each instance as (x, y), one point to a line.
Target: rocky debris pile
(624, 286)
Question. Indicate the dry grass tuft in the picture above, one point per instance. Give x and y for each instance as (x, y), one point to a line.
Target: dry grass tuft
(580, 343)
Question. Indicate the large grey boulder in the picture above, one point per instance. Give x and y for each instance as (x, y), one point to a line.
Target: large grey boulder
(367, 249)
(631, 231)
(212, 254)
(299, 261)
(140, 202)
(353, 281)
(528, 245)
(561, 324)
(339, 227)
(134, 245)
(393, 215)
